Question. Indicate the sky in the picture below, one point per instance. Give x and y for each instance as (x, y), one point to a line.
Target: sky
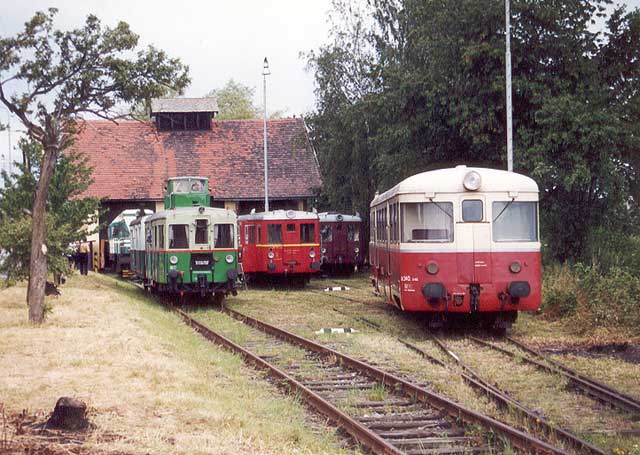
(218, 39)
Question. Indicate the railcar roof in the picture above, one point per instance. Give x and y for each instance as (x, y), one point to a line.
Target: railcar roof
(214, 211)
(279, 215)
(128, 216)
(450, 181)
(193, 177)
(331, 217)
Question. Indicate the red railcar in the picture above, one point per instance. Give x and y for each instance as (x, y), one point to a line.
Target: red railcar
(280, 243)
(340, 241)
(462, 240)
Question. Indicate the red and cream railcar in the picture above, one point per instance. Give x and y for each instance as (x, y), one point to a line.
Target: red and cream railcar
(280, 243)
(462, 240)
(340, 241)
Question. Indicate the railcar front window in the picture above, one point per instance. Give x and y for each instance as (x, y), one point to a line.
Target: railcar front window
(274, 233)
(515, 221)
(427, 222)
(353, 233)
(180, 186)
(326, 233)
(202, 232)
(178, 236)
(223, 236)
(472, 210)
(307, 233)
(250, 234)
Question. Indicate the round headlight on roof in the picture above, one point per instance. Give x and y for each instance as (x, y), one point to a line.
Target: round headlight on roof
(472, 181)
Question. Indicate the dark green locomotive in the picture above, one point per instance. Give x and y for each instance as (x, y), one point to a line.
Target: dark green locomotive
(188, 248)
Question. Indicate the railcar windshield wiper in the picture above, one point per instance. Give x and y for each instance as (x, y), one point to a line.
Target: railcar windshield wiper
(505, 208)
(443, 210)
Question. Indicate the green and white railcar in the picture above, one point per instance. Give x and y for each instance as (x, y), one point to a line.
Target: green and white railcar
(190, 249)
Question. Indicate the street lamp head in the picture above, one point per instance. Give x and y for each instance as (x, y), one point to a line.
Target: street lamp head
(265, 67)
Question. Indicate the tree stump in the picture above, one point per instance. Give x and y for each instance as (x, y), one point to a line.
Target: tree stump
(69, 414)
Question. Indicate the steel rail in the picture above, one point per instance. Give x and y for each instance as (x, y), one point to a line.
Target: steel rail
(358, 431)
(499, 396)
(475, 380)
(518, 438)
(573, 372)
(587, 387)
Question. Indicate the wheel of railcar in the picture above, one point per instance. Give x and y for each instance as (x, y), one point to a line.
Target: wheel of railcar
(218, 299)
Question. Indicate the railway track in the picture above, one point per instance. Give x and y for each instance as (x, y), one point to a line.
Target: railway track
(500, 397)
(579, 382)
(381, 411)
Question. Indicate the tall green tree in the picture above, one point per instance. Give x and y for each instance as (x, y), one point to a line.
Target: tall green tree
(235, 101)
(68, 214)
(347, 112)
(433, 95)
(49, 78)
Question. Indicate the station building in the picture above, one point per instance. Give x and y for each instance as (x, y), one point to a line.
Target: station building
(132, 160)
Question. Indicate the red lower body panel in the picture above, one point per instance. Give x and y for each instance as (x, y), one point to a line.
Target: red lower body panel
(402, 278)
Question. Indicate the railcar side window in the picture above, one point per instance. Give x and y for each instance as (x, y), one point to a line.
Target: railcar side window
(291, 228)
(274, 233)
(372, 225)
(381, 224)
(515, 221)
(427, 222)
(202, 232)
(472, 210)
(393, 222)
(353, 233)
(223, 236)
(326, 233)
(307, 233)
(178, 236)
(161, 237)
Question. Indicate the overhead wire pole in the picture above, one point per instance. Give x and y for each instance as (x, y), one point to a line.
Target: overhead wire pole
(507, 13)
(265, 73)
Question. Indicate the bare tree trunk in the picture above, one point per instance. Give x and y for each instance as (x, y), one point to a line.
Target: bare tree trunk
(38, 259)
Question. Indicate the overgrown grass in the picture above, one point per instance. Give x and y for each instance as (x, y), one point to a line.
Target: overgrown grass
(149, 379)
(589, 297)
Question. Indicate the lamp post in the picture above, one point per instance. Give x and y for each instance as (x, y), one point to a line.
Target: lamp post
(507, 28)
(265, 73)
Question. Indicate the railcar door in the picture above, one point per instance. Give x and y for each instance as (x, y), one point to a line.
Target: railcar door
(474, 249)
(340, 243)
(292, 252)
(249, 241)
(275, 247)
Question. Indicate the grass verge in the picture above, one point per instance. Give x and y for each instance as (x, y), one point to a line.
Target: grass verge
(152, 384)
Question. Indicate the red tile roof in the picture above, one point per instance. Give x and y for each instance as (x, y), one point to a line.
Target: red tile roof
(132, 160)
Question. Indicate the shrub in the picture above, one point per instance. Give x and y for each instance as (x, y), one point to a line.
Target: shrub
(612, 297)
(591, 296)
(559, 291)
